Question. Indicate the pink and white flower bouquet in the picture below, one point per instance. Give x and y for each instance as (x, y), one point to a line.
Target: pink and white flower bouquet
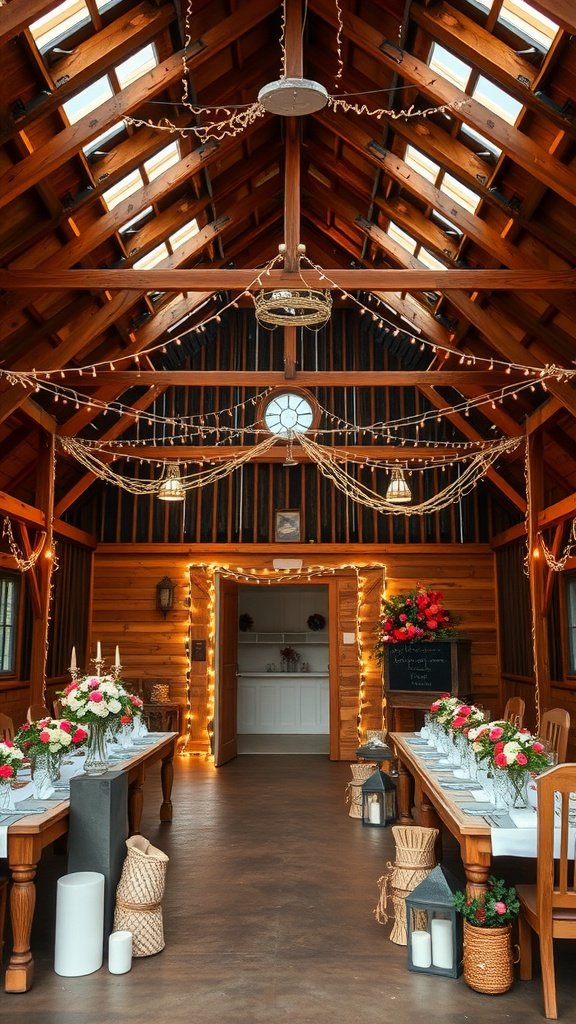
(49, 736)
(11, 759)
(93, 699)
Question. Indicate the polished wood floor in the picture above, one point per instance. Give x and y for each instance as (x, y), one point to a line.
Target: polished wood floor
(268, 917)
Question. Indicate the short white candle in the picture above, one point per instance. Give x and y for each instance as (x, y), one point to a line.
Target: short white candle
(98, 651)
(117, 657)
(442, 955)
(374, 812)
(421, 949)
(73, 659)
(120, 952)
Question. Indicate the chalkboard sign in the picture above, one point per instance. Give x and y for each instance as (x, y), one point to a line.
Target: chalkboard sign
(426, 669)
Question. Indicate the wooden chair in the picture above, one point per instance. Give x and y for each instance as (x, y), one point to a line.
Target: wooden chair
(555, 729)
(514, 711)
(549, 907)
(57, 709)
(36, 712)
(6, 728)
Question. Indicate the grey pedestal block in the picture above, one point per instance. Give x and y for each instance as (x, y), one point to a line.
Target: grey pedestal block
(98, 831)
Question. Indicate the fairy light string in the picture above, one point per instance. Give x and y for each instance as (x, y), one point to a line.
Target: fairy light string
(24, 563)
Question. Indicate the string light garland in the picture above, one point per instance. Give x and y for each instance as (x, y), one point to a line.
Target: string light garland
(24, 563)
(235, 118)
(558, 564)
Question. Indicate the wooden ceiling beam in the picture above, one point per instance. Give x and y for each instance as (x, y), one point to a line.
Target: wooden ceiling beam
(412, 279)
(18, 14)
(518, 146)
(69, 141)
(492, 379)
(562, 12)
(217, 453)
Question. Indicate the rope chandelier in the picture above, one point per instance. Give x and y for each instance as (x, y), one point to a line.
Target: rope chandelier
(292, 307)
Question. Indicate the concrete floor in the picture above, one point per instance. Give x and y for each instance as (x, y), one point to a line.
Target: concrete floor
(268, 917)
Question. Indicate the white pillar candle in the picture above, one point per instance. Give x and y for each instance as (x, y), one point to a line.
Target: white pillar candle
(442, 953)
(117, 657)
(421, 949)
(374, 815)
(120, 952)
(73, 659)
(98, 651)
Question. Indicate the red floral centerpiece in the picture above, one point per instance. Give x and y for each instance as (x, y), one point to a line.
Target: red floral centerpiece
(419, 615)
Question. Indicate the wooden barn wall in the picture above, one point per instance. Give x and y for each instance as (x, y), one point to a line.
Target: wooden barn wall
(516, 653)
(153, 648)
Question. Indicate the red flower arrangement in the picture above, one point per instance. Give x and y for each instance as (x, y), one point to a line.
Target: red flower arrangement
(407, 618)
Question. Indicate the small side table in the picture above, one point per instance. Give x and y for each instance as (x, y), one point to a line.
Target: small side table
(162, 717)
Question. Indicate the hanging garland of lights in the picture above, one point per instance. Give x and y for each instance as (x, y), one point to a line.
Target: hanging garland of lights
(358, 492)
(558, 564)
(286, 96)
(24, 563)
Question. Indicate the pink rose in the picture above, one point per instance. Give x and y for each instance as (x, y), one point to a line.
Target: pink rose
(70, 688)
(6, 771)
(435, 706)
(495, 733)
(44, 736)
(499, 747)
(464, 710)
(521, 758)
(403, 617)
(457, 723)
(501, 761)
(538, 747)
(500, 907)
(431, 624)
(95, 696)
(65, 725)
(8, 743)
(79, 735)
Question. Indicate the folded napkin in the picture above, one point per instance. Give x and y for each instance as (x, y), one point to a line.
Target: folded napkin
(482, 795)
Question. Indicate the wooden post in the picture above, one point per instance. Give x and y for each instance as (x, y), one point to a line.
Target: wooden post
(294, 65)
(43, 570)
(536, 568)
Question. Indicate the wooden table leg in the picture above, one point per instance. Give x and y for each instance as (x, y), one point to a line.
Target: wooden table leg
(430, 819)
(167, 777)
(20, 970)
(405, 784)
(477, 860)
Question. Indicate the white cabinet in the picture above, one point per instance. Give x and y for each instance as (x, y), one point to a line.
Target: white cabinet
(283, 703)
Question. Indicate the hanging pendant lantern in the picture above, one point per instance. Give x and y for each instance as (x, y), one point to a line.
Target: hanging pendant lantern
(171, 488)
(398, 491)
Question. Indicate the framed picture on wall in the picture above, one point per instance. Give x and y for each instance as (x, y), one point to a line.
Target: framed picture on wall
(287, 525)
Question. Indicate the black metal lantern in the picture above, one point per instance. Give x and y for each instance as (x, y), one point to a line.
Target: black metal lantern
(378, 800)
(165, 595)
(434, 927)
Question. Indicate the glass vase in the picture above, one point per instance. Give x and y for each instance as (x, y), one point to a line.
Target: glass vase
(517, 787)
(96, 762)
(45, 772)
(5, 790)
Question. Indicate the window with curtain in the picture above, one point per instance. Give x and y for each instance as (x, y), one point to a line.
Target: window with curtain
(9, 591)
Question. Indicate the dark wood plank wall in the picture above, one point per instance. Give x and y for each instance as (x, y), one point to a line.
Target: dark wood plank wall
(152, 647)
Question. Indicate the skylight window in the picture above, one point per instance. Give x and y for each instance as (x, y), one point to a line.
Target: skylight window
(161, 161)
(456, 190)
(534, 27)
(449, 66)
(136, 65)
(122, 189)
(403, 239)
(183, 234)
(136, 222)
(447, 226)
(484, 146)
(153, 258)
(61, 22)
(496, 99)
(421, 163)
(99, 143)
(430, 261)
(88, 99)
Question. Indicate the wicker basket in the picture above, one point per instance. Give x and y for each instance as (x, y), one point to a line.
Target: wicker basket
(414, 862)
(488, 962)
(139, 894)
(362, 770)
(353, 798)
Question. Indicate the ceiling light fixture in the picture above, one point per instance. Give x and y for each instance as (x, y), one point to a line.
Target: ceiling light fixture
(171, 488)
(398, 491)
(292, 307)
(292, 97)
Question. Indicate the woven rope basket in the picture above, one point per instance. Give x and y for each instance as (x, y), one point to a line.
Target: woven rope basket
(375, 734)
(488, 962)
(139, 894)
(414, 861)
(362, 771)
(353, 797)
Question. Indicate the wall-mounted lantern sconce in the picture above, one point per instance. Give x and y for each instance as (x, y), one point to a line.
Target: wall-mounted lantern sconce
(165, 595)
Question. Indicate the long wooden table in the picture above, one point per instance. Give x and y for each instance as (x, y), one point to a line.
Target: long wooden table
(28, 838)
(417, 786)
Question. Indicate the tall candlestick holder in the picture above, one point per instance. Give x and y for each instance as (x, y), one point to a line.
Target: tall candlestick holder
(98, 666)
(115, 671)
(74, 672)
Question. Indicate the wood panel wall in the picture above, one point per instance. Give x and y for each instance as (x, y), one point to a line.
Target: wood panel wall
(152, 648)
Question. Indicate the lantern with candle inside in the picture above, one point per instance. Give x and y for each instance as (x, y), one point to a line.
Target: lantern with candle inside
(434, 927)
(378, 800)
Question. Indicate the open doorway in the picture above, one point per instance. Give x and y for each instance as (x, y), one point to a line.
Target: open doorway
(283, 701)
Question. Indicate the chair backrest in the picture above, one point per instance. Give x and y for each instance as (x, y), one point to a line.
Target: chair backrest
(555, 729)
(514, 711)
(36, 712)
(57, 709)
(6, 728)
(556, 889)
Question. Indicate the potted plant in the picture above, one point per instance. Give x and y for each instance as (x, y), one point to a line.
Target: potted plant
(488, 963)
